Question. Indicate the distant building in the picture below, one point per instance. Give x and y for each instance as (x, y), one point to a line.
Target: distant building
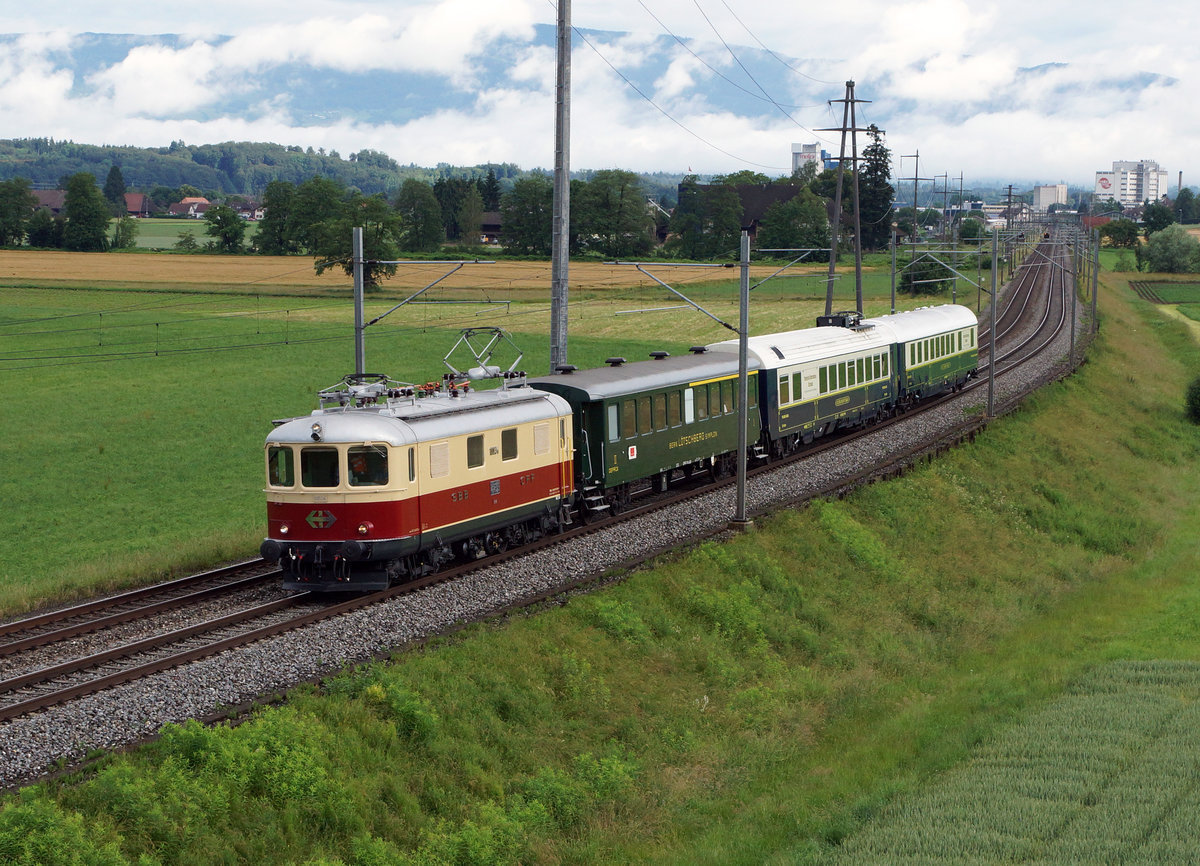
(1048, 194)
(1131, 183)
(805, 153)
(138, 204)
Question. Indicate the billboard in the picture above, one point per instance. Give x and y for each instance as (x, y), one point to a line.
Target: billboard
(1107, 186)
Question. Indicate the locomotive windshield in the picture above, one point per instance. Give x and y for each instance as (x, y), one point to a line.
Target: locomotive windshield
(281, 470)
(319, 467)
(368, 466)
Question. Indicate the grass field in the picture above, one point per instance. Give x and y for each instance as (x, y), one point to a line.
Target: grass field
(147, 396)
(996, 653)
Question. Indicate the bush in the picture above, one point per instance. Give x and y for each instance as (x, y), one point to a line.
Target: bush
(1193, 401)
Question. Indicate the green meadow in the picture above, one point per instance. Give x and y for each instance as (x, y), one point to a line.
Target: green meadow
(991, 659)
(132, 447)
(160, 233)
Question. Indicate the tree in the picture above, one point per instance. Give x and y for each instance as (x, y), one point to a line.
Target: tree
(1187, 208)
(470, 216)
(799, 223)
(707, 221)
(317, 202)
(1156, 217)
(1172, 251)
(875, 192)
(526, 215)
(16, 207)
(86, 214)
(421, 220)
(489, 191)
(125, 234)
(450, 192)
(274, 236)
(1192, 402)
(612, 217)
(227, 228)
(1120, 233)
(114, 191)
(924, 277)
(381, 226)
(971, 231)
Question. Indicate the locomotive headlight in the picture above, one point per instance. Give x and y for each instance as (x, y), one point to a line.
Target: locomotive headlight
(365, 527)
(283, 529)
(316, 432)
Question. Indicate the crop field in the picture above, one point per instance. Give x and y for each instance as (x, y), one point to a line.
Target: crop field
(1168, 292)
(1108, 773)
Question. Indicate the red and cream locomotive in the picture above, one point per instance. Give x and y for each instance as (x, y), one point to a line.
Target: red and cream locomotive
(386, 481)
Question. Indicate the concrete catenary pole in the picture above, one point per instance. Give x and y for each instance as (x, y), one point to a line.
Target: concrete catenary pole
(561, 216)
(739, 512)
(360, 337)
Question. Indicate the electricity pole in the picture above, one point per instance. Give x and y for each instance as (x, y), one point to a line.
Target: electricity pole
(561, 215)
(848, 125)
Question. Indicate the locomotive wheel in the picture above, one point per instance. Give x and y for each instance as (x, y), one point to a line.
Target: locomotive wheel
(495, 542)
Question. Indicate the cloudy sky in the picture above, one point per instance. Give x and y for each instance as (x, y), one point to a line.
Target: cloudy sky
(1020, 91)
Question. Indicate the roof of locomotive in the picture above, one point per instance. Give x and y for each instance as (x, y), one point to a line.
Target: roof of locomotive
(406, 421)
(808, 344)
(600, 383)
(926, 321)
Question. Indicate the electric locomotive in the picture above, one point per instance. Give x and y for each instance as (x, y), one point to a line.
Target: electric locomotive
(387, 480)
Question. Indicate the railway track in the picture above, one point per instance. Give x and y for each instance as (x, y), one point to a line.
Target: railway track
(51, 658)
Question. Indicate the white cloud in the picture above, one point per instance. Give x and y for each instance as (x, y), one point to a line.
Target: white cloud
(945, 74)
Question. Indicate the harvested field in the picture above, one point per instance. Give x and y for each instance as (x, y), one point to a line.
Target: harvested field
(281, 274)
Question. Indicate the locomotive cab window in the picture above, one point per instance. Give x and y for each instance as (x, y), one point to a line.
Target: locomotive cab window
(508, 444)
(368, 466)
(319, 467)
(281, 469)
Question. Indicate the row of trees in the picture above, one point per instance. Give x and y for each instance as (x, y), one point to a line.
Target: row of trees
(82, 225)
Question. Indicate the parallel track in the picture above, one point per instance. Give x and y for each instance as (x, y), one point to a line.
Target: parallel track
(1033, 316)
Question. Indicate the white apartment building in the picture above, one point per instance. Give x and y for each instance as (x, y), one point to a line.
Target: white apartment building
(1048, 194)
(1131, 183)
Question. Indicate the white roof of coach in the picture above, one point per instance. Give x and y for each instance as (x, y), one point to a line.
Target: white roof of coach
(810, 344)
(925, 321)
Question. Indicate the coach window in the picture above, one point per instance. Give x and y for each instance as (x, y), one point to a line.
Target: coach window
(823, 379)
(508, 444)
(474, 451)
(628, 419)
(281, 469)
(319, 467)
(701, 402)
(674, 412)
(660, 411)
(614, 426)
(716, 403)
(785, 390)
(368, 465)
(643, 411)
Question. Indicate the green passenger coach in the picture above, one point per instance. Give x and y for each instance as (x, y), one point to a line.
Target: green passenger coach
(648, 419)
(937, 348)
(818, 379)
